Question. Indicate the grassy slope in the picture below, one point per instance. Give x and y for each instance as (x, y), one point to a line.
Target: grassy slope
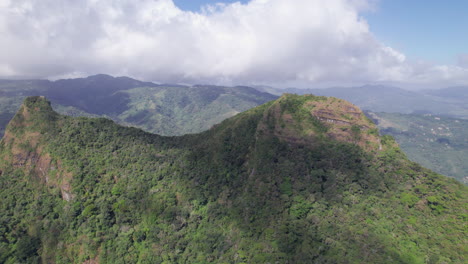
(436, 142)
(268, 185)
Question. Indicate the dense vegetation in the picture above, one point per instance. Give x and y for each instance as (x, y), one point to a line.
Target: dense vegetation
(436, 142)
(182, 110)
(270, 185)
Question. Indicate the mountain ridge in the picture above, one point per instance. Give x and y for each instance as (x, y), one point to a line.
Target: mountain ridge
(243, 191)
(179, 109)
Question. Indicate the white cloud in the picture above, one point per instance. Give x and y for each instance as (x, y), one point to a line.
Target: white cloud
(306, 42)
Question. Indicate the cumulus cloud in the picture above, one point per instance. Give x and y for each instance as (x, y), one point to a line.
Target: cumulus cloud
(264, 41)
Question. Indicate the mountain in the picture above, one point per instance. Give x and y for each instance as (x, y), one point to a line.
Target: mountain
(164, 109)
(419, 121)
(182, 110)
(12, 94)
(448, 102)
(98, 94)
(302, 179)
(176, 109)
(436, 142)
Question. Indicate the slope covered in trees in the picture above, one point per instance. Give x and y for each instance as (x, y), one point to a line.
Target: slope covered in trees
(302, 179)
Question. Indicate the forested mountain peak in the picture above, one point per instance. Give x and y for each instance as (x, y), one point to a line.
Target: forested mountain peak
(37, 104)
(35, 113)
(301, 118)
(302, 179)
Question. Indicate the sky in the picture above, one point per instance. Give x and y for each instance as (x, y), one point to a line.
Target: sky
(302, 43)
(431, 30)
(197, 5)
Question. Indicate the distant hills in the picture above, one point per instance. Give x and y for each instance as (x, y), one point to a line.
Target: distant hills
(161, 109)
(99, 94)
(302, 179)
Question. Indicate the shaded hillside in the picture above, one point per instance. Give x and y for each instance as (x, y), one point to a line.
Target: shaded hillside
(182, 110)
(96, 94)
(302, 179)
(437, 142)
(162, 109)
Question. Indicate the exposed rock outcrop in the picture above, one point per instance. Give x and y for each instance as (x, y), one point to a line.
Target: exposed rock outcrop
(337, 119)
(26, 147)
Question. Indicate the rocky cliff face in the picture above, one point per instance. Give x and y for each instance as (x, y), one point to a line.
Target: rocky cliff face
(303, 118)
(24, 140)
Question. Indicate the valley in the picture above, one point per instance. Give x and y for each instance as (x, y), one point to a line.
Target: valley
(436, 142)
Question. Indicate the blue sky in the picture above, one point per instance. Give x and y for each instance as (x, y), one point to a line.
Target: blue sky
(430, 30)
(433, 30)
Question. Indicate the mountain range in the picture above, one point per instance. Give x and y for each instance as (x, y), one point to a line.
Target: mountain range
(301, 179)
(164, 109)
(170, 109)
